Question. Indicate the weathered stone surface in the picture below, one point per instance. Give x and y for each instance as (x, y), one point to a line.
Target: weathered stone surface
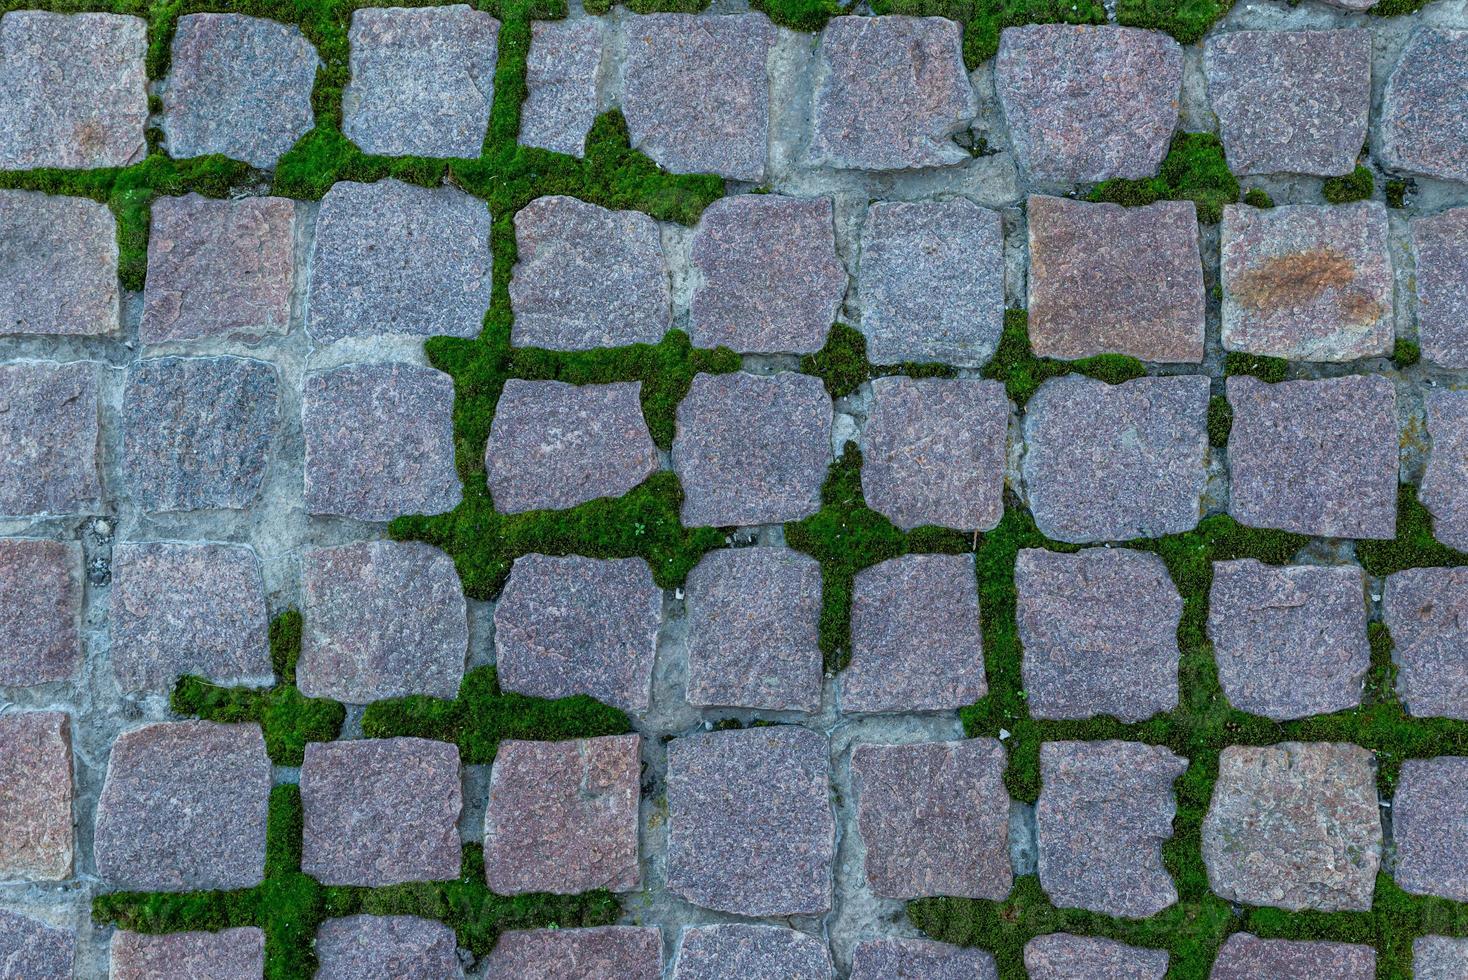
(379, 441)
(371, 273)
(381, 811)
(1424, 111)
(360, 946)
(572, 625)
(935, 452)
(752, 953)
(555, 445)
(1442, 490)
(587, 277)
(1439, 958)
(382, 619)
(1294, 826)
(750, 829)
(915, 639)
(230, 954)
(696, 92)
(73, 93)
(1315, 457)
(197, 431)
(1291, 101)
(1088, 103)
(563, 75)
(32, 950)
(562, 816)
(606, 953)
(183, 808)
(240, 86)
(187, 609)
(1440, 242)
(219, 269)
(768, 279)
(1430, 827)
(35, 796)
(1426, 611)
(1061, 956)
(1247, 957)
(931, 282)
(754, 630)
(40, 611)
(1104, 812)
(920, 959)
(48, 438)
(752, 450)
(1099, 633)
(1290, 642)
(934, 817)
(1112, 462)
(1105, 279)
(1307, 282)
(893, 92)
(58, 270)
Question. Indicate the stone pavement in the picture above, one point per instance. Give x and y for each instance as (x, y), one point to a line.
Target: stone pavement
(671, 496)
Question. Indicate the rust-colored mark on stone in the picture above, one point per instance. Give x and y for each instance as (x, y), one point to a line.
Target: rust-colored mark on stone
(1296, 278)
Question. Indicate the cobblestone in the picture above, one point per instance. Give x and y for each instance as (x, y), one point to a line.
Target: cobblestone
(31, 948)
(1429, 817)
(386, 945)
(1060, 956)
(920, 959)
(36, 794)
(606, 953)
(752, 953)
(1447, 467)
(1439, 958)
(1440, 242)
(1247, 957)
(40, 611)
(49, 438)
(58, 272)
(230, 954)
(563, 72)
(1426, 612)
(1424, 129)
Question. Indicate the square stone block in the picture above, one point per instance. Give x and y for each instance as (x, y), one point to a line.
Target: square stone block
(35, 796)
(1426, 610)
(381, 811)
(1442, 490)
(1247, 957)
(361, 946)
(1430, 827)
(603, 953)
(1424, 110)
(48, 438)
(230, 954)
(58, 271)
(183, 808)
(751, 952)
(1060, 956)
(564, 75)
(1439, 958)
(33, 950)
(40, 611)
(750, 830)
(1440, 242)
(920, 959)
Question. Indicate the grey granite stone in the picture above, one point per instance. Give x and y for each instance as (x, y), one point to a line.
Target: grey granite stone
(750, 829)
(1307, 282)
(240, 86)
(40, 611)
(1060, 956)
(373, 273)
(751, 952)
(1424, 110)
(563, 75)
(931, 282)
(1113, 462)
(184, 808)
(572, 625)
(1098, 631)
(1430, 827)
(915, 639)
(1314, 457)
(892, 92)
(696, 91)
(751, 449)
(1088, 103)
(1442, 490)
(382, 619)
(73, 93)
(32, 950)
(381, 811)
(1440, 242)
(398, 946)
(920, 959)
(935, 452)
(754, 630)
(768, 279)
(1291, 101)
(1247, 957)
(1289, 642)
(379, 441)
(1104, 812)
(58, 270)
(35, 796)
(1294, 826)
(605, 953)
(1426, 611)
(230, 954)
(934, 818)
(1439, 958)
(48, 438)
(562, 816)
(197, 432)
(187, 609)
(219, 269)
(1107, 279)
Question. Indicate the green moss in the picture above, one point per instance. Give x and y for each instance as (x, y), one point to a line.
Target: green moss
(1270, 369)
(842, 363)
(1022, 372)
(1220, 421)
(1406, 353)
(1413, 547)
(1186, 20)
(1194, 170)
(1396, 193)
(1397, 8)
(798, 15)
(1258, 198)
(983, 20)
(1355, 186)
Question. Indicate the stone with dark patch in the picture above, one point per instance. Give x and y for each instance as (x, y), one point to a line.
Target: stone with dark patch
(49, 438)
(1440, 242)
(1439, 958)
(751, 952)
(229, 954)
(361, 946)
(563, 73)
(1061, 956)
(1426, 612)
(1430, 827)
(1442, 490)
(58, 269)
(1247, 957)
(33, 950)
(603, 953)
(920, 959)
(40, 611)
(1424, 110)
(35, 796)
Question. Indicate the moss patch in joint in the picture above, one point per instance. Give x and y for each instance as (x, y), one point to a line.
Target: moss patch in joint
(1186, 20)
(1256, 197)
(1406, 353)
(1354, 186)
(1271, 370)
(1193, 170)
(1022, 372)
(842, 363)
(983, 20)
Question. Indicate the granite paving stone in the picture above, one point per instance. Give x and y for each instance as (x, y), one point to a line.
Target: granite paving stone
(381, 811)
(893, 92)
(1440, 243)
(40, 611)
(49, 438)
(1107, 279)
(33, 950)
(1439, 958)
(1247, 957)
(406, 946)
(562, 816)
(230, 954)
(1294, 826)
(382, 619)
(1426, 612)
(35, 796)
(563, 76)
(1088, 103)
(573, 625)
(1424, 110)
(696, 92)
(750, 830)
(1060, 956)
(920, 959)
(1441, 491)
(915, 638)
(934, 818)
(751, 952)
(754, 630)
(240, 86)
(1291, 101)
(603, 953)
(1110, 462)
(1307, 282)
(183, 808)
(1104, 813)
(931, 282)
(1430, 827)
(1098, 630)
(58, 270)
